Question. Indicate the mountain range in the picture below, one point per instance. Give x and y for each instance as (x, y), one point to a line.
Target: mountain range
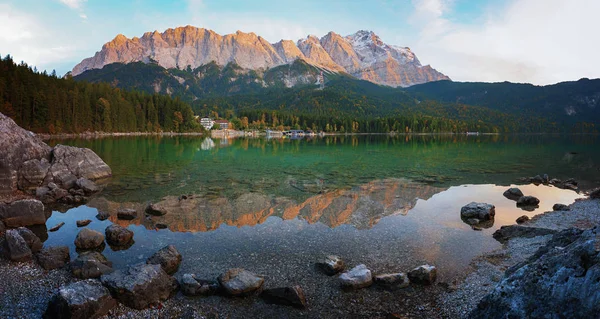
(361, 55)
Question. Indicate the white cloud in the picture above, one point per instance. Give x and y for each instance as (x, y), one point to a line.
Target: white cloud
(538, 41)
(73, 4)
(83, 16)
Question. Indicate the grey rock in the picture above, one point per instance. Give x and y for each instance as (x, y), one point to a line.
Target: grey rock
(505, 233)
(32, 240)
(32, 174)
(481, 211)
(240, 282)
(595, 194)
(561, 280)
(16, 247)
(89, 239)
(545, 178)
(168, 258)
(59, 193)
(331, 265)
(42, 191)
(118, 235)
(90, 264)
(70, 163)
(286, 296)
(77, 192)
(425, 274)
(53, 257)
(356, 278)
(155, 210)
(570, 186)
(537, 179)
(87, 186)
(528, 201)
(56, 227)
(26, 212)
(392, 281)
(558, 207)
(522, 219)
(126, 213)
(52, 186)
(513, 193)
(140, 286)
(192, 286)
(81, 300)
(83, 222)
(472, 221)
(102, 215)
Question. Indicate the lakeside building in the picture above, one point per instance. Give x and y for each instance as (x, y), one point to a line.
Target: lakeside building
(223, 124)
(207, 122)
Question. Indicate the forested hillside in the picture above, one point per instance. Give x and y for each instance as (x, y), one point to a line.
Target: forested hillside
(47, 104)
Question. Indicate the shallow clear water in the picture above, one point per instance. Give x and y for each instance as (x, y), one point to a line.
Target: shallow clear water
(275, 206)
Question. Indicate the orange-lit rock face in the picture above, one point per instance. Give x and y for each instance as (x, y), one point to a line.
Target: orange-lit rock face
(362, 55)
(362, 207)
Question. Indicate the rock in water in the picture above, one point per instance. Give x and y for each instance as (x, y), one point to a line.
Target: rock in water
(90, 264)
(16, 246)
(83, 223)
(595, 194)
(89, 239)
(392, 281)
(168, 258)
(26, 212)
(561, 280)
(102, 215)
(528, 201)
(240, 282)
(287, 296)
(77, 162)
(511, 231)
(331, 265)
(140, 286)
(192, 286)
(480, 211)
(537, 179)
(53, 257)
(118, 235)
(87, 186)
(81, 300)
(513, 193)
(32, 240)
(424, 274)
(557, 207)
(358, 277)
(522, 219)
(56, 227)
(126, 213)
(155, 210)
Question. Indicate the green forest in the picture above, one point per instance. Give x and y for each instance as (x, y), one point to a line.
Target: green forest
(44, 103)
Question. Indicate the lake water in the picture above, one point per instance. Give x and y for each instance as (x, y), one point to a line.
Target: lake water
(276, 206)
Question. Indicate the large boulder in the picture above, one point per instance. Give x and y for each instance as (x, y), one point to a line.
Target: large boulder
(16, 247)
(331, 265)
(33, 174)
(356, 278)
(53, 257)
(32, 240)
(481, 211)
(90, 264)
(118, 235)
(18, 146)
(168, 258)
(287, 296)
(424, 274)
(81, 300)
(561, 280)
(89, 239)
(240, 282)
(192, 286)
(513, 193)
(140, 286)
(26, 212)
(71, 163)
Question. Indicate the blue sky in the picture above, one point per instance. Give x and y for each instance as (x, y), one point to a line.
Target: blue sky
(537, 41)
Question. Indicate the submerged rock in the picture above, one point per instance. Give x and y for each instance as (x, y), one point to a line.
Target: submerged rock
(356, 278)
(558, 207)
(89, 239)
(16, 247)
(512, 231)
(118, 235)
(595, 194)
(168, 258)
(140, 286)
(513, 193)
(81, 300)
(240, 282)
(528, 201)
(26, 212)
(331, 265)
(155, 210)
(481, 211)
(53, 257)
(561, 280)
(102, 215)
(392, 281)
(126, 213)
(425, 274)
(192, 286)
(286, 296)
(90, 264)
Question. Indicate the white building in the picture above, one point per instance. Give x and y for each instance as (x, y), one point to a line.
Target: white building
(207, 122)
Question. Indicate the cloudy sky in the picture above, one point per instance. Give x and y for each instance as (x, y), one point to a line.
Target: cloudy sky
(536, 41)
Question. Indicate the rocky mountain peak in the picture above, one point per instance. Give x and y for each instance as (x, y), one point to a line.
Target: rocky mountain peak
(362, 54)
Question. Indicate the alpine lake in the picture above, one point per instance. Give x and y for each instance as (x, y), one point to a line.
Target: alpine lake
(276, 206)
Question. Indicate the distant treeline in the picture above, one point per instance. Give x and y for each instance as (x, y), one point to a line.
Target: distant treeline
(44, 103)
